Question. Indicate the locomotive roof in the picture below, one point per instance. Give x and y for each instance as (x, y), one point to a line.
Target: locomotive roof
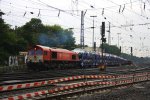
(42, 47)
(54, 49)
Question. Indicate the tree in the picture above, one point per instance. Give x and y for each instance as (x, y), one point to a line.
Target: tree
(30, 31)
(55, 36)
(34, 32)
(8, 42)
(111, 49)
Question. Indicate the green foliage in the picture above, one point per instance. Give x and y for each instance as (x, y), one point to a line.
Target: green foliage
(32, 33)
(8, 41)
(115, 50)
(55, 36)
(111, 49)
(136, 60)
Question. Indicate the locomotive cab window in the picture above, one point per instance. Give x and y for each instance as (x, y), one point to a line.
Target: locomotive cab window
(54, 55)
(73, 57)
(31, 52)
(38, 52)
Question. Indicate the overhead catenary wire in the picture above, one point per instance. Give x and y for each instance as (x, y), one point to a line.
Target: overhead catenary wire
(129, 10)
(55, 9)
(25, 12)
(107, 16)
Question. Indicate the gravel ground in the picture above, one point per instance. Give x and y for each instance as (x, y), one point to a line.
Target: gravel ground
(134, 92)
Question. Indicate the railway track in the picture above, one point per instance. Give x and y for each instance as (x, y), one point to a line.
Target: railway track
(71, 85)
(26, 77)
(19, 76)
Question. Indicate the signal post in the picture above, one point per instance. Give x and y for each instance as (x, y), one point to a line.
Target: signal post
(103, 39)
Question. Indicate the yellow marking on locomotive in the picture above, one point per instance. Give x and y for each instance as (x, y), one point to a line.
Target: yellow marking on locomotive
(35, 58)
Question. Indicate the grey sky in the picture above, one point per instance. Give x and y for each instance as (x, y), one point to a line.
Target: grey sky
(131, 18)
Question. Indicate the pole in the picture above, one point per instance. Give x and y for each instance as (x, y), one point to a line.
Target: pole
(93, 32)
(118, 38)
(131, 51)
(103, 41)
(109, 37)
(82, 29)
(102, 53)
(82, 43)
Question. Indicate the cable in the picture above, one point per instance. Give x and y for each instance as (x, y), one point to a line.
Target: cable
(47, 9)
(78, 17)
(127, 9)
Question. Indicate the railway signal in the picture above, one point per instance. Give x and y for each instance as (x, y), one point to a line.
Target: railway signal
(103, 33)
(103, 29)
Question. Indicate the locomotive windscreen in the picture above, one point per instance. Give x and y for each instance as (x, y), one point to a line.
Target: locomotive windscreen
(38, 52)
(31, 52)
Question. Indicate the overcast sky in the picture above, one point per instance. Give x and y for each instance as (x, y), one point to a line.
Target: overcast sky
(130, 18)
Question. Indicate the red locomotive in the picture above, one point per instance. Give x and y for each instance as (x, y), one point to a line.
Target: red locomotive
(43, 58)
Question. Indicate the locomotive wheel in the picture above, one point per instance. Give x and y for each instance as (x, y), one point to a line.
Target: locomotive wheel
(46, 66)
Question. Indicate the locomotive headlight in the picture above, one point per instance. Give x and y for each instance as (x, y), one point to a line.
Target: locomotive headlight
(29, 59)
